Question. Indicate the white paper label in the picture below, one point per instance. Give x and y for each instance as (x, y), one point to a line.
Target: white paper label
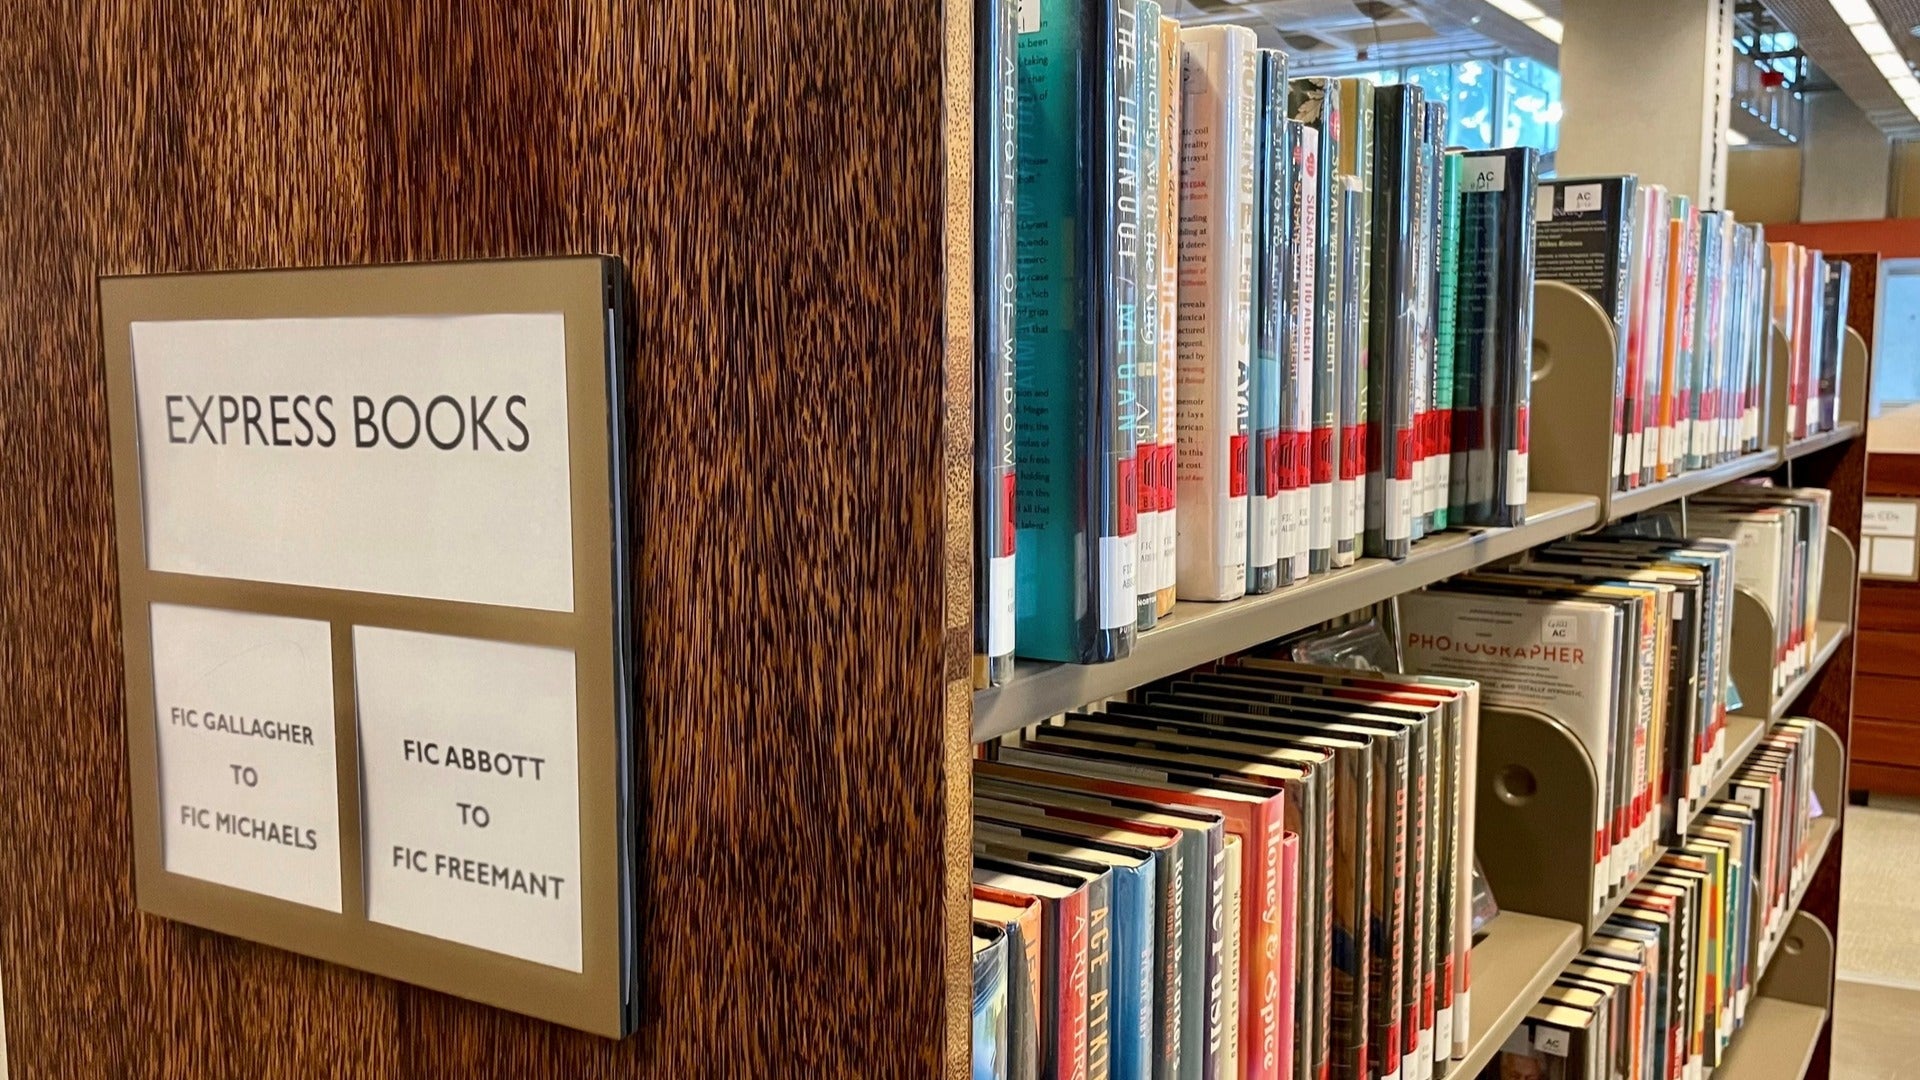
(1543, 204)
(1889, 517)
(243, 707)
(1443, 1034)
(1516, 478)
(1119, 603)
(1321, 537)
(1146, 541)
(1484, 174)
(1423, 1053)
(1264, 537)
(1169, 550)
(1000, 624)
(1029, 16)
(1634, 455)
(1550, 1041)
(1399, 523)
(470, 765)
(1583, 198)
(1235, 567)
(422, 457)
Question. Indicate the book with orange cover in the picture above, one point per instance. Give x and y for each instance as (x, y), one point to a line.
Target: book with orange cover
(1253, 813)
(1019, 916)
(1062, 900)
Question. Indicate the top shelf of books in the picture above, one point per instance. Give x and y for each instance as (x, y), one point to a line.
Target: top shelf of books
(1198, 632)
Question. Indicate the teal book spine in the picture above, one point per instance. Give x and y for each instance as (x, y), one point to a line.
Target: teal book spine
(1135, 893)
(1454, 489)
(1078, 331)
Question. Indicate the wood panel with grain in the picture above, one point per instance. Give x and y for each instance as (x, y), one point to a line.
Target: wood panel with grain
(774, 179)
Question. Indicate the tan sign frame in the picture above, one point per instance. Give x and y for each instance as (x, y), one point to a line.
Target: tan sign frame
(586, 290)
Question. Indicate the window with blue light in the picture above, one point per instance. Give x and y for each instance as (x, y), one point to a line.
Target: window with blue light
(1509, 102)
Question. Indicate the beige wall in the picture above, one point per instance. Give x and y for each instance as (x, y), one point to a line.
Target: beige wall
(1844, 172)
(1763, 184)
(1906, 179)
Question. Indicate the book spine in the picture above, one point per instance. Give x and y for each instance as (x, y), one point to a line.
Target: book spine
(1071, 987)
(1351, 491)
(1641, 219)
(1420, 372)
(1218, 102)
(1222, 998)
(1356, 101)
(1389, 518)
(996, 214)
(1266, 569)
(1136, 892)
(1266, 1038)
(1170, 954)
(1233, 889)
(1287, 869)
(1168, 354)
(1076, 341)
(1433, 481)
(1656, 239)
(1316, 103)
(1517, 398)
(1146, 369)
(1299, 424)
(1448, 314)
(1100, 978)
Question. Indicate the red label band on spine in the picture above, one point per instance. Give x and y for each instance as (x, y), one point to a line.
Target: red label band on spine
(1523, 428)
(1237, 466)
(1143, 456)
(1274, 464)
(1390, 1053)
(1007, 489)
(1411, 1026)
(1444, 437)
(1353, 452)
(1403, 439)
(1426, 1006)
(1323, 455)
(1127, 476)
(1168, 457)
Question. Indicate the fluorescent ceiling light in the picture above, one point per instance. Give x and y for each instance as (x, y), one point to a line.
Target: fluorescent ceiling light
(1735, 138)
(1893, 67)
(1549, 28)
(1854, 12)
(1873, 38)
(1523, 10)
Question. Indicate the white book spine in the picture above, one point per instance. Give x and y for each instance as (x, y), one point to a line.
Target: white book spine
(1219, 77)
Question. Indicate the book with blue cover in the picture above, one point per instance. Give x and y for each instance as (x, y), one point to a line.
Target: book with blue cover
(1267, 566)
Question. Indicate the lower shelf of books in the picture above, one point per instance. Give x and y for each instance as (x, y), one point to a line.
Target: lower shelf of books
(1776, 1043)
(1512, 966)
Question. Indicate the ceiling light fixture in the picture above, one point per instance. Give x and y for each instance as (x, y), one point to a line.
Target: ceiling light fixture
(1549, 28)
(1735, 138)
(1854, 12)
(1864, 21)
(1523, 10)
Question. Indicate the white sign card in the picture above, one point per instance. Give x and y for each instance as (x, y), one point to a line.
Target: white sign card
(470, 779)
(1889, 517)
(412, 456)
(1890, 557)
(249, 795)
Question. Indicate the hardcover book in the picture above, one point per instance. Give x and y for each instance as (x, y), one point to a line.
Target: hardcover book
(1493, 367)
(995, 214)
(1077, 341)
(1219, 106)
(1268, 565)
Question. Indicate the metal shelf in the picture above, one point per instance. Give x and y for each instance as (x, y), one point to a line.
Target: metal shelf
(1743, 734)
(1627, 503)
(1513, 965)
(1827, 638)
(1198, 632)
(1844, 431)
(1775, 1043)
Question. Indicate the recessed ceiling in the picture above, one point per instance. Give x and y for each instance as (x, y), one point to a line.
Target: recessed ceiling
(1832, 47)
(1340, 36)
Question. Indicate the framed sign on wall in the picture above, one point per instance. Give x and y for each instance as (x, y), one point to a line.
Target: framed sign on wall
(375, 607)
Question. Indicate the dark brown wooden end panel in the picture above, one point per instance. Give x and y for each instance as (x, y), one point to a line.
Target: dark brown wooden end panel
(773, 174)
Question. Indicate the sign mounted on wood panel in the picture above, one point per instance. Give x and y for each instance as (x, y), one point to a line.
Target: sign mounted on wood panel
(374, 593)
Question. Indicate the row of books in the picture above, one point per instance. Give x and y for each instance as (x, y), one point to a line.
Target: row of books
(1261, 869)
(1686, 292)
(1232, 329)
(1810, 297)
(1664, 986)
(1623, 639)
(1782, 537)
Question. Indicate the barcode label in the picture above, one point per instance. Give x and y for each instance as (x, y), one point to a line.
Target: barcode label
(1399, 523)
(1516, 478)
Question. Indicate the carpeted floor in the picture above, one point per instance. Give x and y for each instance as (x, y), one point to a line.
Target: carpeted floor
(1880, 895)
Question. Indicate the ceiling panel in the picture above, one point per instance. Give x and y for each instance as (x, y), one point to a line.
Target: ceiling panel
(1337, 36)
(1830, 45)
